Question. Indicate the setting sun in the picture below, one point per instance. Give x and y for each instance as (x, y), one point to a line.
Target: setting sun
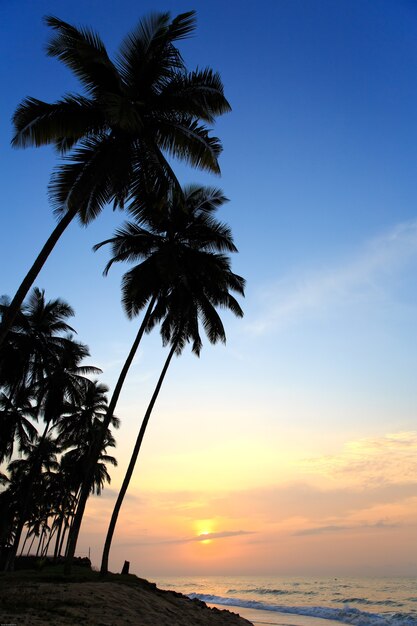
(204, 528)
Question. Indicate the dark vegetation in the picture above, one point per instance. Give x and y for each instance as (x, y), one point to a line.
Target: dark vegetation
(117, 139)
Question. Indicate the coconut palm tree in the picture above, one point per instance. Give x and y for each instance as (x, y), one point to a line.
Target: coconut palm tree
(34, 342)
(65, 384)
(77, 426)
(41, 376)
(175, 240)
(115, 136)
(39, 369)
(26, 475)
(183, 271)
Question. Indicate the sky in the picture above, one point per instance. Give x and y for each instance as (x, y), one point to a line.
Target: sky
(292, 450)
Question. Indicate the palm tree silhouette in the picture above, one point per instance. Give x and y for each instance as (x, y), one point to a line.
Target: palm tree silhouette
(77, 432)
(115, 136)
(35, 340)
(184, 274)
(168, 243)
(41, 376)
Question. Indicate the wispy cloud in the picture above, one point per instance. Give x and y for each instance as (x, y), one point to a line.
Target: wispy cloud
(389, 459)
(321, 530)
(359, 278)
(197, 538)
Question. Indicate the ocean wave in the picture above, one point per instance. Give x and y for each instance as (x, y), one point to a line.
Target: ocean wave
(274, 592)
(366, 601)
(346, 615)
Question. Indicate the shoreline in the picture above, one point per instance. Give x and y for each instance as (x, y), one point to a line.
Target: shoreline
(260, 617)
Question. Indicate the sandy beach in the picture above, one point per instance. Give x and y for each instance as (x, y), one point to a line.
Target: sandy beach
(32, 603)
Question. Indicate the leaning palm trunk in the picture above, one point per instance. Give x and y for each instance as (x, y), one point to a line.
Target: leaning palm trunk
(31, 544)
(32, 274)
(58, 535)
(45, 549)
(24, 543)
(97, 445)
(131, 467)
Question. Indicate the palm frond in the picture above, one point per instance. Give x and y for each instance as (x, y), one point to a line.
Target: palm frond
(190, 141)
(91, 179)
(212, 324)
(147, 55)
(199, 94)
(63, 123)
(84, 53)
(138, 287)
(205, 199)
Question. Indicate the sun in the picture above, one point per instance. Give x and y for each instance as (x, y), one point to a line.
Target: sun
(202, 528)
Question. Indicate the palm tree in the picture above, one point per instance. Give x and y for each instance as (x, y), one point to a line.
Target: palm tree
(76, 431)
(40, 376)
(176, 241)
(39, 369)
(79, 424)
(115, 135)
(65, 383)
(26, 476)
(184, 274)
(34, 341)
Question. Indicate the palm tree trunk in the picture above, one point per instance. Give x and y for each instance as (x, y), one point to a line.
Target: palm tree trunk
(67, 527)
(24, 543)
(61, 545)
(58, 536)
(9, 566)
(128, 476)
(69, 519)
(46, 547)
(32, 274)
(31, 544)
(97, 445)
(40, 542)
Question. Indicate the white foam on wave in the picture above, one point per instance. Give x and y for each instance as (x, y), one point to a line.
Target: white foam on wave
(345, 615)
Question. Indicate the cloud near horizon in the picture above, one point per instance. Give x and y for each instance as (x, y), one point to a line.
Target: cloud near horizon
(361, 278)
(198, 538)
(320, 530)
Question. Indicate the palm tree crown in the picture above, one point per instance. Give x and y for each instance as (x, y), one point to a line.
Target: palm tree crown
(184, 273)
(115, 135)
(181, 262)
(133, 110)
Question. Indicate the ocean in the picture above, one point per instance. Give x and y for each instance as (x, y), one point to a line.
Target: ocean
(296, 601)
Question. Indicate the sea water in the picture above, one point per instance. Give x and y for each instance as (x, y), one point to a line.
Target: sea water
(357, 601)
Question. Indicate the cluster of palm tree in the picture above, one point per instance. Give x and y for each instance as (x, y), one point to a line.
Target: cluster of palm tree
(50, 414)
(117, 140)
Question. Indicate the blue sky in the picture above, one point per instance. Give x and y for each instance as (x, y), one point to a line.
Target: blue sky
(319, 164)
